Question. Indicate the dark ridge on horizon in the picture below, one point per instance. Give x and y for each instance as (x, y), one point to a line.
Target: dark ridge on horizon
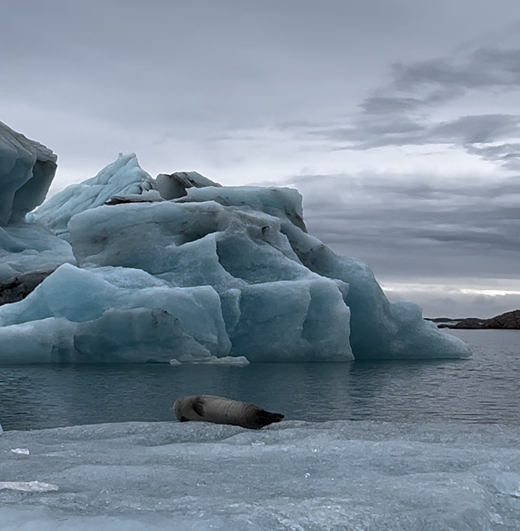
(504, 321)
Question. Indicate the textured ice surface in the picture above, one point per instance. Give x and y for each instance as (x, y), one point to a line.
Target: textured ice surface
(378, 329)
(340, 475)
(82, 315)
(28, 247)
(26, 172)
(124, 176)
(265, 291)
(183, 268)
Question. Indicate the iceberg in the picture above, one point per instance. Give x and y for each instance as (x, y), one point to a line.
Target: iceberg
(339, 475)
(28, 253)
(127, 268)
(27, 169)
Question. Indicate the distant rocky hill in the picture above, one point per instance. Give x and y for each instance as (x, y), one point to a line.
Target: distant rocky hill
(508, 320)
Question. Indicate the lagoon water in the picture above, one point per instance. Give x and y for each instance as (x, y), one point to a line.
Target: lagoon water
(483, 389)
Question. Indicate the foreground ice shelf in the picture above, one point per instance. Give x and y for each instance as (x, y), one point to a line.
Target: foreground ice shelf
(180, 268)
(293, 476)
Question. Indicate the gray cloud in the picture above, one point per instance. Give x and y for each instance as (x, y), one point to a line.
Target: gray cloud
(385, 103)
(163, 63)
(479, 129)
(234, 86)
(508, 155)
(102, 77)
(483, 68)
(403, 112)
(398, 130)
(418, 226)
(170, 79)
(380, 105)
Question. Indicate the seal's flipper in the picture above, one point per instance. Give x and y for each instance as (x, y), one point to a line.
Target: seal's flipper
(264, 418)
(198, 407)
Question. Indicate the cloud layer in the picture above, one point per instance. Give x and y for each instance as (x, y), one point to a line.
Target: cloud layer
(407, 111)
(417, 227)
(398, 120)
(380, 215)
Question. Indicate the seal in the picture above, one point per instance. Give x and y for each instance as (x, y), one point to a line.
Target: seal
(219, 410)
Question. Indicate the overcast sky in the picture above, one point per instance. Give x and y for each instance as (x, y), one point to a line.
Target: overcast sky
(398, 120)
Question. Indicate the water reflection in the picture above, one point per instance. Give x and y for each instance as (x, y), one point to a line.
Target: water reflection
(481, 389)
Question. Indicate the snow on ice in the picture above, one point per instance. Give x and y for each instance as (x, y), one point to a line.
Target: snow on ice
(301, 476)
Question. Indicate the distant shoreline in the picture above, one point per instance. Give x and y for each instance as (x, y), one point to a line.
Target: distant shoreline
(504, 321)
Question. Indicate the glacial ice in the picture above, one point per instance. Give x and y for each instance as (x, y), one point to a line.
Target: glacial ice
(25, 248)
(26, 172)
(83, 315)
(123, 176)
(181, 268)
(295, 475)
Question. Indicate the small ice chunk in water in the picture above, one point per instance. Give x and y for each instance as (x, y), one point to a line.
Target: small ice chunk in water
(28, 486)
(238, 361)
(20, 451)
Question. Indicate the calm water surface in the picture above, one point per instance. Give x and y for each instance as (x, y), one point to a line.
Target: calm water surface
(483, 389)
